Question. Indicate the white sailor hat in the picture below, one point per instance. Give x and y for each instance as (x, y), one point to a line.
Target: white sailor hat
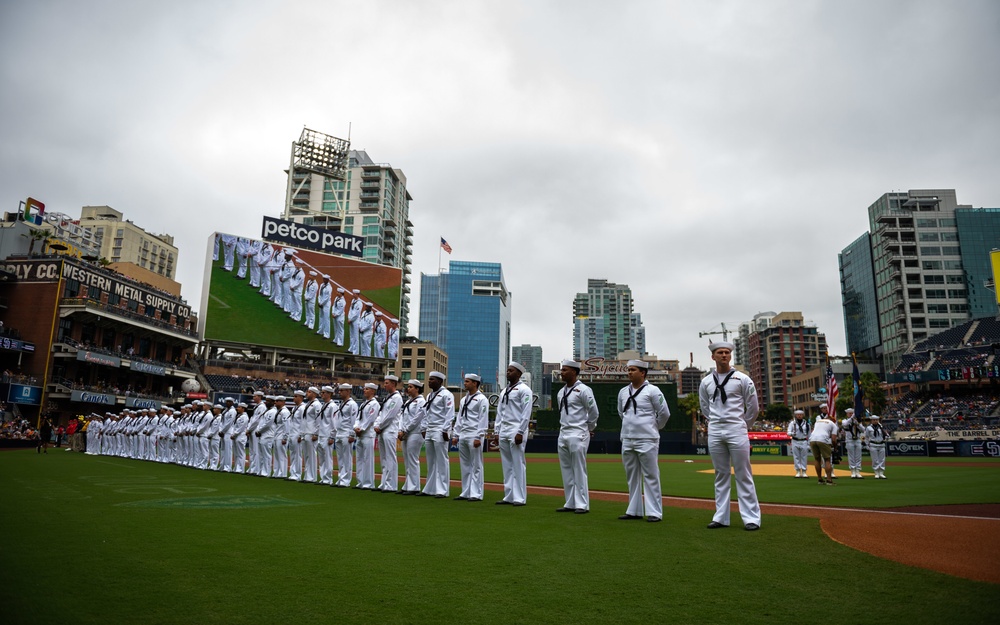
(416, 383)
(177, 413)
(271, 397)
(279, 398)
(340, 289)
(516, 365)
(229, 399)
(642, 364)
(720, 344)
(327, 389)
(824, 407)
(326, 276)
(378, 313)
(799, 412)
(366, 303)
(242, 404)
(436, 374)
(313, 389)
(874, 417)
(394, 320)
(219, 406)
(849, 411)
(313, 273)
(194, 402)
(372, 386)
(571, 363)
(473, 377)
(392, 378)
(256, 393)
(300, 393)
(355, 291)
(345, 387)
(289, 251)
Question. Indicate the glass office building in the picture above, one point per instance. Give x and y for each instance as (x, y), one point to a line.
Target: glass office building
(466, 311)
(857, 292)
(978, 234)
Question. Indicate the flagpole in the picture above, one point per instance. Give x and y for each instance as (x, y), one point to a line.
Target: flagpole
(439, 256)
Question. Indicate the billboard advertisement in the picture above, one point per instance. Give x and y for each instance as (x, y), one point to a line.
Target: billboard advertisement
(265, 294)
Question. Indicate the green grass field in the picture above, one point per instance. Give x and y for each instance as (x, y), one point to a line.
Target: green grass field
(93, 539)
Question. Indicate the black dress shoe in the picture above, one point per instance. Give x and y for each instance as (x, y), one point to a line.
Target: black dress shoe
(440, 496)
(629, 517)
(475, 499)
(502, 502)
(565, 509)
(423, 494)
(581, 511)
(460, 498)
(751, 527)
(714, 525)
(653, 519)
(518, 504)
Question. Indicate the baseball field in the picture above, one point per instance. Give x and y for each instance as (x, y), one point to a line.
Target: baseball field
(96, 539)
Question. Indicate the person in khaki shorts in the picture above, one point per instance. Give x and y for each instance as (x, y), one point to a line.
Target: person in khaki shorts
(821, 442)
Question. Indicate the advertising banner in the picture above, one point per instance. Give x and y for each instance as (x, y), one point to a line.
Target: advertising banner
(769, 436)
(291, 234)
(139, 402)
(99, 359)
(145, 367)
(907, 448)
(765, 450)
(93, 398)
(23, 394)
(259, 294)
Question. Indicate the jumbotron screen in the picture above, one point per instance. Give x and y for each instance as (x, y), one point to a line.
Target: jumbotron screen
(266, 294)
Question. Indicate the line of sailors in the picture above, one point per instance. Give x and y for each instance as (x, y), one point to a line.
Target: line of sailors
(302, 438)
(852, 430)
(276, 275)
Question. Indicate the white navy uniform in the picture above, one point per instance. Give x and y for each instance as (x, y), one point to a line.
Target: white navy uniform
(799, 430)
(513, 417)
(353, 317)
(853, 433)
(312, 288)
(343, 425)
(280, 443)
(440, 409)
(252, 251)
(263, 262)
(326, 445)
(578, 416)
(294, 293)
(388, 424)
(253, 441)
(365, 447)
(310, 439)
(876, 436)
(337, 312)
(265, 434)
(293, 433)
(242, 249)
(226, 443)
(729, 403)
(643, 412)
(229, 249)
(238, 435)
(410, 425)
(366, 324)
(470, 426)
(380, 338)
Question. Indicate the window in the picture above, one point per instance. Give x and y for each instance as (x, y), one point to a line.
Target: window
(929, 236)
(931, 265)
(927, 223)
(959, 308)
(407, 351)
(956, 279)
(934, 293)
(946, 223)
(950, 250)
(933, 279)
(369, 220)
(957, 293)
(421, 351)
(937, 308)
(421, 363)
(953, 264)
(940, 323)
(949, 236)
(406, 363)
(930, 250)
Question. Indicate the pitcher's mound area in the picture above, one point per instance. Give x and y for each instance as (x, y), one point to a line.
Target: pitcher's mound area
(787, 470)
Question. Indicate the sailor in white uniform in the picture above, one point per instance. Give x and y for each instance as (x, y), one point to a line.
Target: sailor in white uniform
(252, 251)
(469, 435)
(513, 418)
(229, 250)
(380, 335)
(265, 437)
(411, 424)
(876, 436)
(343, 426)
(728, 400)
(799, 430)
(295, 283)
(238, 436)
(293, 431)
(393, 341)
(366, 325)
(644, 412)
(853, 431)
(225, 433)
(326, 443)
(253, 441)
(281, 438)
(242, 249)
(337, 312)
(440, 412)
(309, 432)
(354, 317)
(364, 430)
(577, 419)
(387, 430)
(312, 289)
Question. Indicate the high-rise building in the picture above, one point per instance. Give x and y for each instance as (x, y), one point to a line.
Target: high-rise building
(466, 311)
(531, 357)
(604, 322)
(761, 321)
(782, 348)
(371, 201)
(920, 284)
(418, 358)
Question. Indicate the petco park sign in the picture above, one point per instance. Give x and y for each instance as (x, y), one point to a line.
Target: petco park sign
(311, 238)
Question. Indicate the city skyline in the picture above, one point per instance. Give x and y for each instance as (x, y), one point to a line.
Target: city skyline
(673, 156)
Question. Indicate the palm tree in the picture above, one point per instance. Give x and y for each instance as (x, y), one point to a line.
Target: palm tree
(36, 234)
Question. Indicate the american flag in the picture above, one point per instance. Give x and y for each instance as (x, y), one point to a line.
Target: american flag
(445, 246)
(831, 391)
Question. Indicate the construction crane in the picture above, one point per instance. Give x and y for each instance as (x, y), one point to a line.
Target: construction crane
(724, 332)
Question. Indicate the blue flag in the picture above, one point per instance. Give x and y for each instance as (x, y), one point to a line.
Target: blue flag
(859, 394)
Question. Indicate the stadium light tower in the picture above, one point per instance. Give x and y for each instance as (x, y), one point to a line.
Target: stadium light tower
(315, 157)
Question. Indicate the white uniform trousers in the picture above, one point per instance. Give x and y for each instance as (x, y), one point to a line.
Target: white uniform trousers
(411, 461)
(214, 452)
(253, 444)
(366, 343)
(572, 448)
(324, 449)
(226, 454)
(344, 461)
(800, 455)
(266, 454)
(324, 324)
(438, 470)
(642, 473)
(877, 451)
(853, 455)
(732, 448)
(241, 262)
(204, 452)
(365, 461)
(280, 458)
(338, 330)
(311, 314)
(470, 458)
(239, 454)
(295, 305)
(354, 345)
(308, 452)
(295, 459)
(515, 478)
(388, 460)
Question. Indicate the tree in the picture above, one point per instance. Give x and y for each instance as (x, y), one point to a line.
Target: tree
(874, 393)
(778, 413)
(36, 234)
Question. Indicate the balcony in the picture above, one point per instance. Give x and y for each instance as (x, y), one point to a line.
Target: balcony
(371, 173)
(371, 195)
(370, 185)
(368, 206)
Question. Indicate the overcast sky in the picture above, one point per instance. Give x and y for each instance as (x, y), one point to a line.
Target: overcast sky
(715, 156)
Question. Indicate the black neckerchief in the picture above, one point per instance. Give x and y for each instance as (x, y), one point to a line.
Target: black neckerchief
(564, 404)
(632, 396)
(468, 400)
(720, 389)
(506, 393)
